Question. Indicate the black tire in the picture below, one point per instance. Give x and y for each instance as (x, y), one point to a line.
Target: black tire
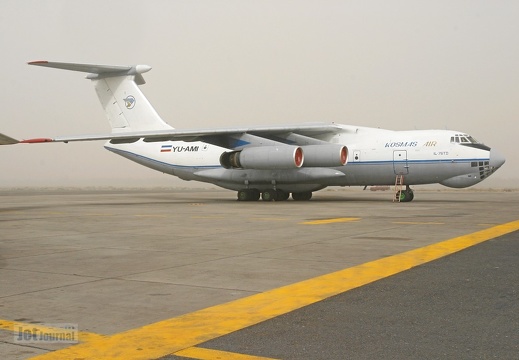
(243, 195)
(255, 194)
(248, 195)
(269, 195)
(302, 196)
(404, 196)
(282, 195)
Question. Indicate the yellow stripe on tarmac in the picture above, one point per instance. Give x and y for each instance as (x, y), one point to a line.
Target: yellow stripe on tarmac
(172, 335)
(15, 326)
(210, 354)
(329, 221)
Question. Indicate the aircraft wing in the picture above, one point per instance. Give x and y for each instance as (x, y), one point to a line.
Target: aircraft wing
(216, 136)
(6, 140)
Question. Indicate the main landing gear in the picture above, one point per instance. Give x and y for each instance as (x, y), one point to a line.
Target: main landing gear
(248, 195)
(272, 195)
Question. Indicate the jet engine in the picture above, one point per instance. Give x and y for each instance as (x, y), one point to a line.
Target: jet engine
(264, 158)
(331, 155)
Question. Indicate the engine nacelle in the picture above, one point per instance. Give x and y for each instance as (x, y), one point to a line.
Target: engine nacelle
(264, 158)
(331, 155)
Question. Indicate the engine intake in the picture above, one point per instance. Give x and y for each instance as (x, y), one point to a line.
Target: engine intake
(264, 158)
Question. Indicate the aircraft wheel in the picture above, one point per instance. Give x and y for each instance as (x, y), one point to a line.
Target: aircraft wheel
(248, 195)
(405, 195)
(269, 195)
(255, 195)
(282, 195)
(243, 195)
(302, 196)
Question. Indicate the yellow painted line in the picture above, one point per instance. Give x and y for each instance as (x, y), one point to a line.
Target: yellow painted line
(329, 221)
(417, 223)
(210, 354)
(185, 331)
(14, 327)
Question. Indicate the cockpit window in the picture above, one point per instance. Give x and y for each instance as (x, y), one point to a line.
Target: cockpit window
(463, 139)
(472, 140)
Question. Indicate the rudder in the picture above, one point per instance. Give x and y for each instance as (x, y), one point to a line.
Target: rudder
(125, 106)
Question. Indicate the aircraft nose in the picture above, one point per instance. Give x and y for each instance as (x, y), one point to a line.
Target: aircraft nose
(496, 159)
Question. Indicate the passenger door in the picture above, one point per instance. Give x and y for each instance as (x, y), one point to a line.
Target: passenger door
(400, 164)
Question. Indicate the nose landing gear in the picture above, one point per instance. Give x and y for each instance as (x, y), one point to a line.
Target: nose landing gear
(404, 195)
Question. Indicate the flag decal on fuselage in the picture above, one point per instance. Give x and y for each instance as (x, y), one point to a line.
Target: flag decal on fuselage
(166, 148)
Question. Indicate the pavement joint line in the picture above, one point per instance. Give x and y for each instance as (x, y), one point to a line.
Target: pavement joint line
(185, 331)
(15, 326)
(417, 223)
(208, 217)
(329, 221)
(150, 215)
(100, 214)
(200, 353)
(267, 219)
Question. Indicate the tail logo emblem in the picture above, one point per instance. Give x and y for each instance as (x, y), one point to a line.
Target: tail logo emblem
(129, 102)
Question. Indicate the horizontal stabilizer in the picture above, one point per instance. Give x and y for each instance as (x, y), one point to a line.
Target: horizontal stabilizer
(96, 71)
(6, 140)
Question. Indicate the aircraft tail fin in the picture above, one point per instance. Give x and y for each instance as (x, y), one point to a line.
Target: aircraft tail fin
(125, 106)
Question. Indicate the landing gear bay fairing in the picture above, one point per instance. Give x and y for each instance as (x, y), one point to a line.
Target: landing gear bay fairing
(273, 162)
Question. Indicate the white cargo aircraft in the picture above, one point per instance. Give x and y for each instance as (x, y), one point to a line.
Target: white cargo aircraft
(276, 161)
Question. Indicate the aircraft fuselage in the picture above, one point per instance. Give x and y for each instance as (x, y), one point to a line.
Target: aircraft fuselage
(375, 157)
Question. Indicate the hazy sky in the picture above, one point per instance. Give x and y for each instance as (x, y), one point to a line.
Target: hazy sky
(389, 64)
